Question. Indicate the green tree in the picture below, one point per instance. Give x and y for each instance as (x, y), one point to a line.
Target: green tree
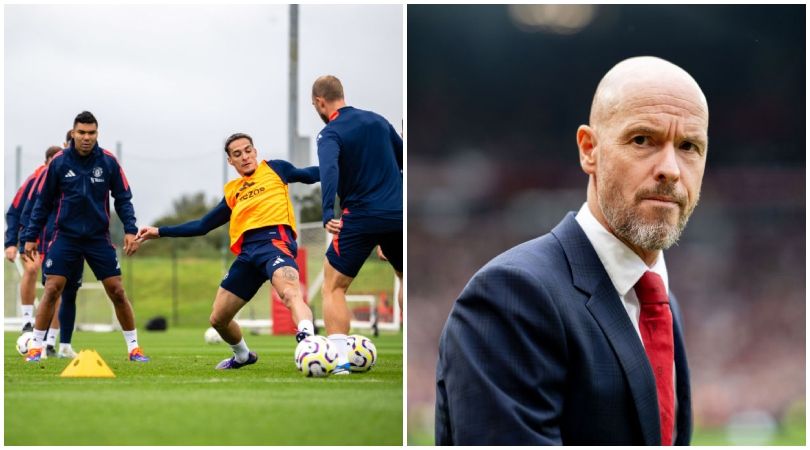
(311, 205)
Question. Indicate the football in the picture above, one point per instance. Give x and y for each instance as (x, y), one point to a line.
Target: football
(315, 356)
(212, 336)
(24, 341)
(362, 353)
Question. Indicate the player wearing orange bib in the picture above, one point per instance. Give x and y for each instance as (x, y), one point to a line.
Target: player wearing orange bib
(262, 235)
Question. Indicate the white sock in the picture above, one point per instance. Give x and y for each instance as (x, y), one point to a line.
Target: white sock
(342, 344)
(28, 314)
(241, 351)
(131, 338)
(306, 326)
(65, 347)
(51, 339)
(39, 338)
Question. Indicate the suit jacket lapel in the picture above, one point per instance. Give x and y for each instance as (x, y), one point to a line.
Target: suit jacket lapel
(606, 308)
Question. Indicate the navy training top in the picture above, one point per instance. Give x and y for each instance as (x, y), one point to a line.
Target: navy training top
(79, 188)
(360, 158)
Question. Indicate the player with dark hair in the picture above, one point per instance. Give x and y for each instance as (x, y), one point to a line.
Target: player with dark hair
(79, 182)
(262, 235)
(360, 158)
(15, 223)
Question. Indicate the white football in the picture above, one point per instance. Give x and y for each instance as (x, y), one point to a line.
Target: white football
(24, 342)
(212, 336)
(315, 356)
(362, 353)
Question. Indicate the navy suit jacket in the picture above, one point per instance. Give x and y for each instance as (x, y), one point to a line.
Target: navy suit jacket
(538, 349)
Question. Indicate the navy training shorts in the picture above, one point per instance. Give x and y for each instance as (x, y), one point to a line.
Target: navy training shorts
(65, 256)
(256, 264)
(74, 279)
(357, 238)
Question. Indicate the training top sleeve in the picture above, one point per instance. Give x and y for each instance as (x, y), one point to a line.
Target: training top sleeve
(14, 214)
(47, 189)
(328, 153)
(397, 143)
(31, 201)
(215, 218)
(121, 192)
(291, 174)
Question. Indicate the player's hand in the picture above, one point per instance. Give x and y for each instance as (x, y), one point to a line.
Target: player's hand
(31, 252)
(334, 226)
(146, 233)
(11, 253)
(130, 244)
(380, 254)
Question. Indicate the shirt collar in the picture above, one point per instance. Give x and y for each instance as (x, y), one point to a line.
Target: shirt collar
(622, 265)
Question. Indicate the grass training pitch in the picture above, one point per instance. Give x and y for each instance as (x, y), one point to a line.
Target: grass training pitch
(180, 399)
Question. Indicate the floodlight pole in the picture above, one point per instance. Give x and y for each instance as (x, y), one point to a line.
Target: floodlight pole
(292, 104)
(297, 146)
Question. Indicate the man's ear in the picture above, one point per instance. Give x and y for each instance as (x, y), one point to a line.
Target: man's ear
(586, 141)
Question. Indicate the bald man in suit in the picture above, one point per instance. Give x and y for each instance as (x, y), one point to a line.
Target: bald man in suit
(574, 337)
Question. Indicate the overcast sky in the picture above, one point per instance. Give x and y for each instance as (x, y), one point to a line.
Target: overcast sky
(172, 82)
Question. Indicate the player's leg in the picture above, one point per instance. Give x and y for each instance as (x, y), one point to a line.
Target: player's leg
(62, 254)
(286, 282)
(50, 338)
(391, 247)
(28, 290)
(336, 314)
(278, 259)
(344, 258)
(114, 288)
(54, 285)
(67, 316)
(237, 288)
(101, 257)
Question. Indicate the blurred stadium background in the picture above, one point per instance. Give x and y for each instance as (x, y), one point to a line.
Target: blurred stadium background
(495, 94)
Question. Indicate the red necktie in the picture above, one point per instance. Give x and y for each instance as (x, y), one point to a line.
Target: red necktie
(655, 324)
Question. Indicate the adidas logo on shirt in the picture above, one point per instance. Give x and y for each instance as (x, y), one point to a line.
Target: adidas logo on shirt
(70, 174)
(278, 261)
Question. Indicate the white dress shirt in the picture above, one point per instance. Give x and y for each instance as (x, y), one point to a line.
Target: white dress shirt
(623, 266)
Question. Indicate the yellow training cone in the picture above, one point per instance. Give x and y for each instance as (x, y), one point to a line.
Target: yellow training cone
(88, 364)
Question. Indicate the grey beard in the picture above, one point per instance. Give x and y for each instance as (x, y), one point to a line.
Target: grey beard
(634, 229)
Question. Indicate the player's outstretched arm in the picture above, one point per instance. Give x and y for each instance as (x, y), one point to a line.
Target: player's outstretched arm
(291, 174)
(147, 233)
(215, 218)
